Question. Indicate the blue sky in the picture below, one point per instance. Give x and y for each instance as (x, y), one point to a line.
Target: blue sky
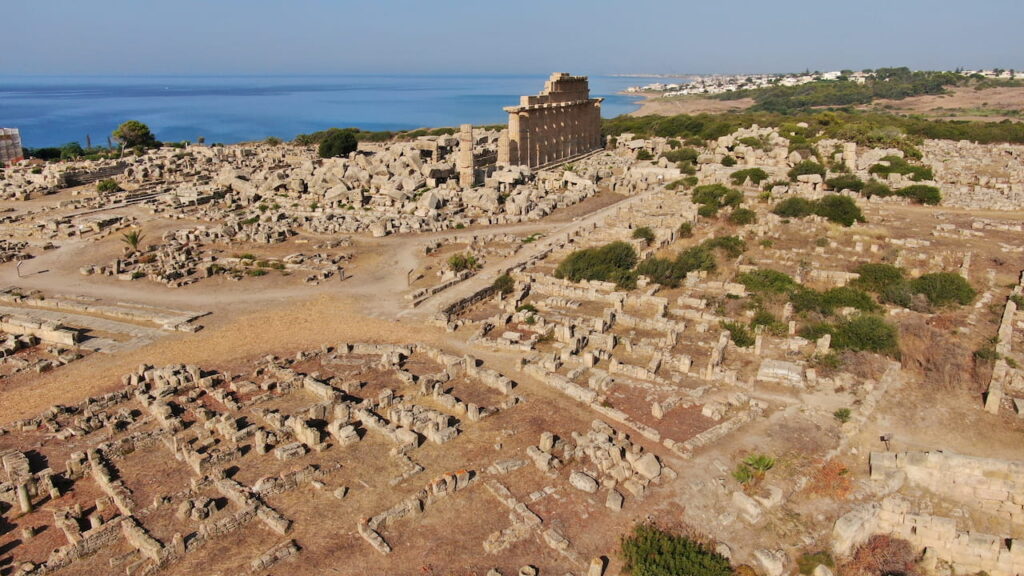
(520, 36)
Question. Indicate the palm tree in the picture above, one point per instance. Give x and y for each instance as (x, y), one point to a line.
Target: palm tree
(132, 239)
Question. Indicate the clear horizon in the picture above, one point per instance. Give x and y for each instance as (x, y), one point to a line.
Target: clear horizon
(594, 37)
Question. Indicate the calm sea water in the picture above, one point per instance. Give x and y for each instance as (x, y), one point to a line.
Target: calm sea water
(52, 111)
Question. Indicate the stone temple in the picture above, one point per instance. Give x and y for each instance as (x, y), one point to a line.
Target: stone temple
(560, 123)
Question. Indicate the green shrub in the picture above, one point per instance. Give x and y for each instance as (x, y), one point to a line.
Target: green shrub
(921, 194)
(504, 284)
(108, 186)
(686, 230)
(766, 280)
(742, 216)
(644, 233)
(728, 161)
(272, 141)
(662, 271)
(733, 246)
(740, 334)
(770, 323)
(842, 415)
(807, 300)
(643, 154)
(684, 183)
(256, 272)
(707, 210)
(897, 165)
(696, 258)
(338, 143)
(712, 197)
(460, 262)
(943, 288)
(875, 188)
(839, 209)
(650, 551)
(845, 182)
(863, 332)
(794, 207)
(609, 263)
(1018, 300)
(877, 277)
(804, 168)
(756, 176)
(682, 155)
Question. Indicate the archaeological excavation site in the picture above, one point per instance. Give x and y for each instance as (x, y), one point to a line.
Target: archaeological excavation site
(556, 346)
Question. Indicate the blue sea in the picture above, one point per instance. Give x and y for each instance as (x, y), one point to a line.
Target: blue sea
(55, 110)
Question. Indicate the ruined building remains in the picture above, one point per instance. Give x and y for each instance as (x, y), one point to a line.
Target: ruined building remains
(558, 124)
(10, 146)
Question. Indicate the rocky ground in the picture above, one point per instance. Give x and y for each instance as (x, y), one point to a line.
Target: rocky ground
(397, 416)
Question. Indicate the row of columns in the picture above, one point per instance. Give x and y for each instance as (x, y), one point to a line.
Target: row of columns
(546, 134)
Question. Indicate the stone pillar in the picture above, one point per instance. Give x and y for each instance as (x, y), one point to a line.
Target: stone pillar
(503, 148)
(23, 499)
(525, 145)
(850, 155)
(464, 159)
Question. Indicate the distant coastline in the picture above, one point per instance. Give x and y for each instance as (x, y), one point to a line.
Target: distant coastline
(56, 110)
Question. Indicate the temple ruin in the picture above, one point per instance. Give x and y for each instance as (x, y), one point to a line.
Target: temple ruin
(10, 146)
(560, 123)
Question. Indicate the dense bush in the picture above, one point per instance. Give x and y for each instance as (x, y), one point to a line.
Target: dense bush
(840, 209)
(712, 197)
(644, 154)
(805, 168)
(460, 262)
(650, 551)
(845, 182)
(733, 246)
(609, 263)
(108, 186)
(338, 143)
(682, 155)
(878, 277)
(875, 188)
(833, 207)
(740, 334)
(872, 129)
(670, 273)
(921, 194)
(942, 288)
(766, 280)
(807, 300)
(794, 207)
(742, 216)
(861, 333)
(644, 233)
(504, 284)
(756, 176)
(686, 230)
(728, 161)
(315, 138)
(897, 165)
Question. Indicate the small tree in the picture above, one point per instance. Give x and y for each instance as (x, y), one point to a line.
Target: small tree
(338, 143)
(132, 238)
(134, 133)
(504, 284)
(107, 186)
(644, 233)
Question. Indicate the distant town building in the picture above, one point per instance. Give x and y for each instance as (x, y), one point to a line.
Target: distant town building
(560, 123)
(10, 146)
